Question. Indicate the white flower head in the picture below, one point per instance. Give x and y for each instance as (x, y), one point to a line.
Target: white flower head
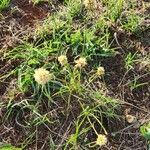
(90, 4)
(80, 63)
(100, 71)
(62, 59)
(42, 76)
(101, 140)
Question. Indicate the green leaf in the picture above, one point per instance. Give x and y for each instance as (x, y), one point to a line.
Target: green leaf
(145, 131)
(8, 147)
(33, 62)
(76, 37)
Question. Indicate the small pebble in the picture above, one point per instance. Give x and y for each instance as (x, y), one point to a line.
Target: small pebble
(131, 118)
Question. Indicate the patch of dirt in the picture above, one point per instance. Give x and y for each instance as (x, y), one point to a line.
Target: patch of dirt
(18, 21)
(126, 136)
(26, 13)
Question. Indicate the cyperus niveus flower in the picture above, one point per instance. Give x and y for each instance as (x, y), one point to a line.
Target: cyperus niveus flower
(100, 71)
(42, 76)
(80, 63)
(62, 59)
(101, 140)
(90, 4)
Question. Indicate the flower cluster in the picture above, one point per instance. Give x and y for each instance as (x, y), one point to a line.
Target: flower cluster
(62, 59)
(101, 140)
(80, 63)
(90, 4)
(42, 76)
(100, 71)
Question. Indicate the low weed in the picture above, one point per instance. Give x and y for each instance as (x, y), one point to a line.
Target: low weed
(130, 61)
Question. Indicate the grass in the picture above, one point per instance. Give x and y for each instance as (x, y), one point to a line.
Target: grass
(4, 4)
(75, 104)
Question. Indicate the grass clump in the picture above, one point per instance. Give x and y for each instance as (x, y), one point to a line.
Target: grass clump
(70, 85)
(4, 4)
(131, 22)
(114, 9)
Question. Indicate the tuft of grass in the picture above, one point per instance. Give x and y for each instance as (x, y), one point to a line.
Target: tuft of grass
(74, 8)
(130, 61)
(4, 4)
(114, 9)
(131, 22)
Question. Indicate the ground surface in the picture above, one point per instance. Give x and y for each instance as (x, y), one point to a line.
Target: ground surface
(36, 123)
